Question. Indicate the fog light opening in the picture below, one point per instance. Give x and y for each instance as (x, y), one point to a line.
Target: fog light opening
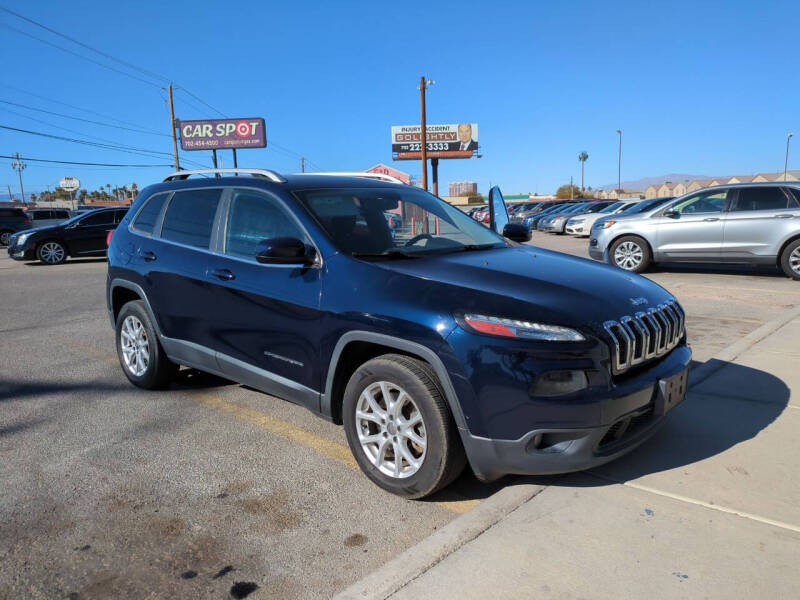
(559, 383)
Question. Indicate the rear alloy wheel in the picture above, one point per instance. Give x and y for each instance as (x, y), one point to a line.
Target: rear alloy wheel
(140, 354)
(5, 238)
(630, 253)
(399, 426)
(790, 260)
(51, 253)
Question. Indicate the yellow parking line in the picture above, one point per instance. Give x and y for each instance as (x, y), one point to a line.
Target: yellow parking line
(265, 421)
(317, 443)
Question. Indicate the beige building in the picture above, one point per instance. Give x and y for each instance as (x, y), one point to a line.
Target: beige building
(669, 188)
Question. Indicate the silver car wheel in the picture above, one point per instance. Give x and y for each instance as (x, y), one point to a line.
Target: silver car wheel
(391, 429)
(135, 345)
(52, 253)
(5, 238)
(794, 260)
(628, 256)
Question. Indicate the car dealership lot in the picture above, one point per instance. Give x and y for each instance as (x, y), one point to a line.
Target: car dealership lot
(109, 491)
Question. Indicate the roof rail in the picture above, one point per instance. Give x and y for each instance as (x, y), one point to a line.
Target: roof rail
(380, 176)
(266, 173)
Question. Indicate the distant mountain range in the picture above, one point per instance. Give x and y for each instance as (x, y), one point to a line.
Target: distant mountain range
(645, 182)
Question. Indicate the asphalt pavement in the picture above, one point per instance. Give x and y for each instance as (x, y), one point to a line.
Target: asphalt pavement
(110, 491)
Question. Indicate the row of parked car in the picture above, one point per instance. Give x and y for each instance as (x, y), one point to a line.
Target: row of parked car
(755, 224)
(52, 235)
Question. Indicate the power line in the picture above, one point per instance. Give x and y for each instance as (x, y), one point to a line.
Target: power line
(183, 89)
(115, 147)
(19, 31)
(86, 110)
(89, 164)
(50, 112)
(79, 43)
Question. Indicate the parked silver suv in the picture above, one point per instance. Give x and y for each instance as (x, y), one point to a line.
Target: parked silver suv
(743, 223)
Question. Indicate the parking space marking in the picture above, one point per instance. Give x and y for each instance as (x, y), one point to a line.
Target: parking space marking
(265, 421)
(717, 507)
(317, 443)
(745, 289)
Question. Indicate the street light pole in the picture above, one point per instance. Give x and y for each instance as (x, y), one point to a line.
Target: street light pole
(18, 165)
(423, 84)
(619, 166)
(786, 162)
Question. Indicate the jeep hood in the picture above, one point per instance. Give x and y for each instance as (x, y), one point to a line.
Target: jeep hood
(528, 282)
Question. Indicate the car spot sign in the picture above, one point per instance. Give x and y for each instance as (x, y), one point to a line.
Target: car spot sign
(222, 134)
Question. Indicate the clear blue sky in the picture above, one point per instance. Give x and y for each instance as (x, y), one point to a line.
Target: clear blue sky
(697, 87)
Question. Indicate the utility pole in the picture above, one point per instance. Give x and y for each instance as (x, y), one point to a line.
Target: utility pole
(786, 162)
(302, 164)
(571, 189)
(19, 166)
(10, 197)
(619, 166)
(423, 84)
(173, 126)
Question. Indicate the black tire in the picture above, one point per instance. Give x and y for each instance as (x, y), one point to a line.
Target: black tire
(45, 250)
(628, 262)
(160, 369)
(444, 458)
(790, 260)
(4, 235)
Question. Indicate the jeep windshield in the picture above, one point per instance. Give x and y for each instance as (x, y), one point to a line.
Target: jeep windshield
(419, 224)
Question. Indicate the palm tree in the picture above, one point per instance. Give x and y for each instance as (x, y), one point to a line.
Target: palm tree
(582, 157)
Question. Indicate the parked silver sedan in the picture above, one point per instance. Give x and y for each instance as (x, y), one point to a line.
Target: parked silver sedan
(742, 223)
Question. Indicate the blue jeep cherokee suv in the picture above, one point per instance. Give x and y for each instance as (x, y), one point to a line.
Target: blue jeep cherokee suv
(438, 344)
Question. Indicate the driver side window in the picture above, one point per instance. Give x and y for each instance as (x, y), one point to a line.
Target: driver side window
(255, 217)
(702, 203)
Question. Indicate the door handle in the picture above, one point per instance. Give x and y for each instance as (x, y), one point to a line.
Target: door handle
(148, 255)
(710, 219)
(223, 274)
(783, 216)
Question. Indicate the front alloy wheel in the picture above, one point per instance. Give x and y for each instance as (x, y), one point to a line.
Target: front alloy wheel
(5, 238)
(399, 427)
(52, 253)
(630, 253)
(391, 429)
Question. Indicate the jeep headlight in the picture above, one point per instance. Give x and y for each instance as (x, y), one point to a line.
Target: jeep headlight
(513, 328)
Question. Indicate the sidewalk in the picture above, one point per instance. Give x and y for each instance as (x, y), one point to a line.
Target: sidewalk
(709, 508)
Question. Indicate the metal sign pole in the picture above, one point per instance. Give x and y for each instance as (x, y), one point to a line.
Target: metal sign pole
(235, 162)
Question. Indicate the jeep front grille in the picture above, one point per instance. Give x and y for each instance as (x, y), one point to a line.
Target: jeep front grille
(645, 335)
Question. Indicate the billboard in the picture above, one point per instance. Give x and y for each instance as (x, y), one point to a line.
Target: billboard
(223, 134)
(453, 140)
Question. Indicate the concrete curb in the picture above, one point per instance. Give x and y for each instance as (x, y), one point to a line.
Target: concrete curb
(714, 364)
(415, 561)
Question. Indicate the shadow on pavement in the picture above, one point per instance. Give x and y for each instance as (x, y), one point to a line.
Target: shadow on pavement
(11, 389)
(717, 415)
(192, 379)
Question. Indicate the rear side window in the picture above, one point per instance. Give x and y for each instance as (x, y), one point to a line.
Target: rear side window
(146, 219)
(253, 218)
(119, 215)
(105, 217)
(11, 213)
(190, 217)
(60, 214)
(763, 198)
(40, 215)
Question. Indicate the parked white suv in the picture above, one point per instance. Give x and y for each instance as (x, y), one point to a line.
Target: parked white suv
(743, 223)
(581, 225)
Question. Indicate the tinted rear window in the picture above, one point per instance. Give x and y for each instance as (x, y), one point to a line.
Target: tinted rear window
(146, 219)
(105, 217)
(763, 198)
(11, 212)
(190, 217)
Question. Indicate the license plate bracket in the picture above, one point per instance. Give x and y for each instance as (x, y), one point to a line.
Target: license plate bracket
(670, 392)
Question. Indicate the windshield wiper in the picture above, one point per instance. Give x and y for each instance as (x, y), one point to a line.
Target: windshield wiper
(387, 254)
(469, 247)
